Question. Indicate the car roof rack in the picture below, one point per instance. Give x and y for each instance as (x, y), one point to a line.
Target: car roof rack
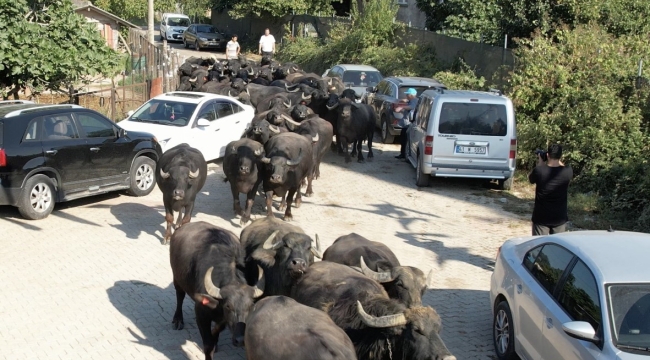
(15, 102)
(496, 91)
(40, 108)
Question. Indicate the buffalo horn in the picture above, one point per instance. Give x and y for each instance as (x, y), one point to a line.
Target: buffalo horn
(314, 138)
(163, 174)
(329, 82)
(250, 71)
(305, 97)
(259, 151)
(247, 92)
(382, 321)
(194, 175)
(297, 161)
(382, 277)
(259, 287)
(209, 285)
(429, 278)
(268, 244)
(274, 129)
(265, 160)
(289, 119)
(287, 104)
(193, 79)
(331, 107)
(229, 93)
(234, 149)
(316, 251)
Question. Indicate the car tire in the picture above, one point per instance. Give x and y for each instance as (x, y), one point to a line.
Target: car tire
(196, 46)
(386, 137)
(37, 199)
(503, 333)
(421, 179)
(143, 176)
(506, 184)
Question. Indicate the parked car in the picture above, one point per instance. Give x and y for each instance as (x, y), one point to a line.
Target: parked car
(351, 76)
(460, 133)
(56, 153)
(172, 26)
(203, 36)
(572, 296)
(205, 121)
(385, 100)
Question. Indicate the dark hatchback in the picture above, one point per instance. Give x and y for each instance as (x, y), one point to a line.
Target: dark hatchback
(203, 36)
(385, 100)
(56, 153)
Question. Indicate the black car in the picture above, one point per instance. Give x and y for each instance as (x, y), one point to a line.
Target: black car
(204, 36)
(55, 153)
(385, 100)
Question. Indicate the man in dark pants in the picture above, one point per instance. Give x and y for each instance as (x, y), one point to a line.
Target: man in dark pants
(404, 122)
(552, 180)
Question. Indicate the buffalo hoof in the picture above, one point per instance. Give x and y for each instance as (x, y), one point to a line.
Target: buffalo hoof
(166, 240)
(244, 220)
(297, 203)
(310, 193)
(288, 217)
(361, 161)
(178, 324)
(282, 207)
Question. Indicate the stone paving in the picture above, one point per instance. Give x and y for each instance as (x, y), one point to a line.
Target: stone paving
(92, 281)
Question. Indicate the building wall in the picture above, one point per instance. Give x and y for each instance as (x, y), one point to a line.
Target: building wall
(108, 28)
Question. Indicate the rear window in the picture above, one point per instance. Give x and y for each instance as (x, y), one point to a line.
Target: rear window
(419, 89)
(354, 78)
(473, 119)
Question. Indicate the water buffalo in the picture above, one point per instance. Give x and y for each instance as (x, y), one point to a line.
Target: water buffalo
(404, 283)
(313, 335)
(261, 131)
(356, 123)
(289, 161)
(259, 92)
(379, 327)
(182, 174)
(300, 112)
(207, 263)
(283, 251)
(240, 165)
(316, 126)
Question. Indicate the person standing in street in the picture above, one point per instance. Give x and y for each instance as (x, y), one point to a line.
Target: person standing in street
(232, 49)
(267, 44)
(551, 179)
(404, 123)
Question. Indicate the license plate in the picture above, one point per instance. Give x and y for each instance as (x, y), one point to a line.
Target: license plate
(470, 149)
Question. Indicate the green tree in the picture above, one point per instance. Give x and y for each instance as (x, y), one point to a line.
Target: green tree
(273, 8)
(134, 9)
(45, 45)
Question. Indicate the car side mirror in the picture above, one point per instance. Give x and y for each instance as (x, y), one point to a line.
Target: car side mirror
(581, 330)
(121, 133)
(130, 112)
(203, 122)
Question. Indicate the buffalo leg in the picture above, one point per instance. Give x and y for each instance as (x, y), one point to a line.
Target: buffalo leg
(178, 315)
(309, 191)
(169, 218)
(287, 214)
(283, 203)
(204, 323)
(235, 199)
(269, 203)
(344, 144)
(180, 218)
(188, 213)
(298, 201)
(360, 158)
(371, 133)
(354, 148)
(250, 199)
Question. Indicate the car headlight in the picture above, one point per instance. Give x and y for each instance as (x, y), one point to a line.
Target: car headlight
(203, 39)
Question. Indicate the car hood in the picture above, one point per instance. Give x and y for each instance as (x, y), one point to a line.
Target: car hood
(161, 132)
(359, 90)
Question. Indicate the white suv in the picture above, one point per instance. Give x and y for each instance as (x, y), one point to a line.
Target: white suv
(172, 26)
(205, 121)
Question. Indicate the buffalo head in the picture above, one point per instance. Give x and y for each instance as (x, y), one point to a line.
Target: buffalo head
(299, 112)
(183, 179)
(292, 254)
(246, 157)
(405, 283)
(278, 167)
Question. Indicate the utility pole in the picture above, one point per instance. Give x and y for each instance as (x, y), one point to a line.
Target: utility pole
(150, 21)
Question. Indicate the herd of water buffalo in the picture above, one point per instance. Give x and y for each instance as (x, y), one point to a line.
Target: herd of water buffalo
(359, 302)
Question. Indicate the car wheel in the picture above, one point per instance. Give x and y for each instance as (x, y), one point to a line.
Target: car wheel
(503, 332)
(386, 137)
(506, 184)
(37, 199)
(421, 179)
(143, 176)
(196, 45)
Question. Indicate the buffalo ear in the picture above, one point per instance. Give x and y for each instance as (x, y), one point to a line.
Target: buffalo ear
(265, 257)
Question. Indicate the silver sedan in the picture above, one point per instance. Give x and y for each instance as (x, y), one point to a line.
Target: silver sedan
(578, 295)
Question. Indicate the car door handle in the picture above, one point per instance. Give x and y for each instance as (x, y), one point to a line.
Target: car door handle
(217, 129)
(237, 122)
(549, 322)
(94, 149)
(51, 152)
(519, 288)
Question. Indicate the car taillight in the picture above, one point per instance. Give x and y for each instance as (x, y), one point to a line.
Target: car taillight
(428, 145)
(3, 157)
(513, 148)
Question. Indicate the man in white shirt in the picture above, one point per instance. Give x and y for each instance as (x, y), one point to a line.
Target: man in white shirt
(232, 49)
(267, 44)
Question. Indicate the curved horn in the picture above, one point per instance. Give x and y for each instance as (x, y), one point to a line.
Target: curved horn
(259, 152)
(305, 97)
(297, 161)
(274, 129)
(268, 244)
(329, 82)
(229, 93)
(163, 174)
(222, 74)
(251, 71)
(429, 278)
(382, 277)
(287, 104)
(316, 251)
(247, 92)
(314, 138)
(265, 160)
(332, 107)
(381, 322)
(212, 290)
(259, 287)
(193, 79)
(289, 119)
(194, 175)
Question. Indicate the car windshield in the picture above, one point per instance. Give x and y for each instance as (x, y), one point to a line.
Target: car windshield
(473, 119)
(361, 78)
(178, 22)
(164, 113)
(206, 29)
(629, 308)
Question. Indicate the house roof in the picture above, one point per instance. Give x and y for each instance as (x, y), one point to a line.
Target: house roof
(80, 5)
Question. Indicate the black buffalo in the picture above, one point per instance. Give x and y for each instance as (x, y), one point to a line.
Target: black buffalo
(355, 123)
(259, 92)
(379, 327)
(283, 251)
(261, 131)
(317, 127)
(405, 283)
(313, 335)
(182, 174)
(207, 263)
(240, 165)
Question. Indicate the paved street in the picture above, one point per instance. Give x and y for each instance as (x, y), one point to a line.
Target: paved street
(92, 281)
(178, 47)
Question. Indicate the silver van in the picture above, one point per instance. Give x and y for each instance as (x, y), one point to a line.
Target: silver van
(460, 133)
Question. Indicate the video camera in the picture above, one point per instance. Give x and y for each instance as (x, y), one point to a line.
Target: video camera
(542, 153)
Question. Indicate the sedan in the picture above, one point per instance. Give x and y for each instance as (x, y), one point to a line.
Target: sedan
(204, 37)
(207, 122)
(579, 295)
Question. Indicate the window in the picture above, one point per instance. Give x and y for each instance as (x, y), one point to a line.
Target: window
(236, 108)
(223, 109)
(579, 296)
(163, 112)
(208, 113)
(382, 87)
(205, 29)
(422, 112)
(32, 132)
(361, 78)
(419, 89)
(473, 119)
(178, 22)
(57, 127)
(550, 265)
(392, 90)
(95, 127)
(530, 257)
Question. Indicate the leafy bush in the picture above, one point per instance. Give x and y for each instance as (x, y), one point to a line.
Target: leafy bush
(461, 77)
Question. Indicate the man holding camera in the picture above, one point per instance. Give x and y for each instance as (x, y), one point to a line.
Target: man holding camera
(552, 180)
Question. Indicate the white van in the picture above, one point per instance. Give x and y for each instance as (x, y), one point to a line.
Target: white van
(460, 133)
(172, 26)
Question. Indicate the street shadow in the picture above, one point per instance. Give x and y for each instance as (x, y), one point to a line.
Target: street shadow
(445, 253)
(466, 321)
(136, 219)
(11, 214)
(150, 309)
(403, 215)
